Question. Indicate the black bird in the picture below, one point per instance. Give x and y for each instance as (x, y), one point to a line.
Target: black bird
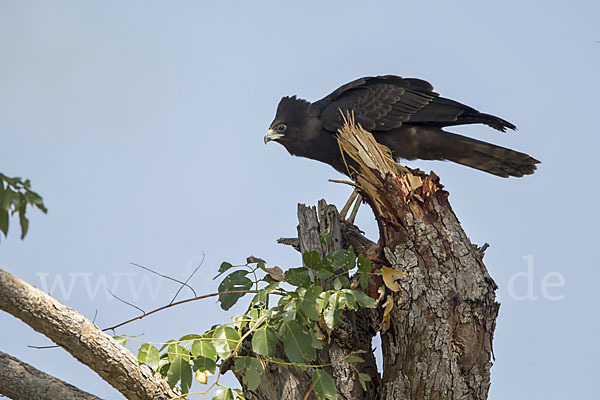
(405, 114)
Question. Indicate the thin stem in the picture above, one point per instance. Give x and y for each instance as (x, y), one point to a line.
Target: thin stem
(112, 328)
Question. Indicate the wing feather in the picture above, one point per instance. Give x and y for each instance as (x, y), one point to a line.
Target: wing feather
(387, 102)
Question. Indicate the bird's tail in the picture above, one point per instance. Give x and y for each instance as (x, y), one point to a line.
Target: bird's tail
(488, 157)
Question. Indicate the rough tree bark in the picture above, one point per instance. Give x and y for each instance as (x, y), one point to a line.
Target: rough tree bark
(80, 337)
(439, 343)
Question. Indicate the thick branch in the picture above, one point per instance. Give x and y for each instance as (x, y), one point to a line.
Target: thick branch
(80, 337)
(21, 381)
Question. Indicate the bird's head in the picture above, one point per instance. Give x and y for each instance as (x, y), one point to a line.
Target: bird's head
(291, 120)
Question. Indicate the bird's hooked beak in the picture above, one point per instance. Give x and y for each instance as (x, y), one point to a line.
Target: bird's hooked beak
(272, 135)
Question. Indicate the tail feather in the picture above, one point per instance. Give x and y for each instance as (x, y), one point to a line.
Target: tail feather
(428, 143)
(490, 158)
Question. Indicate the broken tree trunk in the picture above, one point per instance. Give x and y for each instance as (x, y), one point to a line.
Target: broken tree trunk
(439, 316)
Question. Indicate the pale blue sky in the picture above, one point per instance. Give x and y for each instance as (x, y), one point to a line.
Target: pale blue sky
(142, 122)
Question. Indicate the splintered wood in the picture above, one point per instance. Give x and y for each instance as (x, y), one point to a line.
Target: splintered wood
(375, 165)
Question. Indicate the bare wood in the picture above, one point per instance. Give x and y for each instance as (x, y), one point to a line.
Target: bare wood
(21, 381)
(355, 330)
(351, 237)
(80, 337)
(320, 233)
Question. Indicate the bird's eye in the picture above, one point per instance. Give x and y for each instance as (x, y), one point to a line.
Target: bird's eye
(281, 128)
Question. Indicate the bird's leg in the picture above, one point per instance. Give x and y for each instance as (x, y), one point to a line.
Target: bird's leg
(346, 207)
(356, 199)
(355, 209)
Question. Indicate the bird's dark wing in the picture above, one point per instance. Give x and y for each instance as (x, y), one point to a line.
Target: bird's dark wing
(384, 103)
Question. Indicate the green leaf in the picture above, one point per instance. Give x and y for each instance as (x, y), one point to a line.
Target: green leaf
(346, 300)
(364, 281)
(33, 198)
(324, 274)
(344, 280)
(364, 264)
(186, 377)
(316, 343)
(272, 287)
(363, 299)
(353, 359)
(252, 260)
(261, 298)
(289, 315)
(364, 378)
(180, 370)
(237, 280)
(223, 394)
(264, 341)
(4, 221)
(312, 260)
(337, 259)
(225, 339)
(297, 276)
(252, 368)
(24, 222)
(15, 197)
(224, 267)
(174, 373)
(149, 354)
(203, 364)
(308, 302)
(122, 340)
(343, 259)
(202, 347)
(337, 283)
(242, 363)
(313, 292)
(10, 199)
(205, 355)
(323, 300)
(229, 300)
(252, 378)
(163, 365)
(239, 321)
(332, 312)
(297, 342)
(254, 313)
(290, 311)
(191, 336)
(165, 345)
(325, 386)
(175, 350)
